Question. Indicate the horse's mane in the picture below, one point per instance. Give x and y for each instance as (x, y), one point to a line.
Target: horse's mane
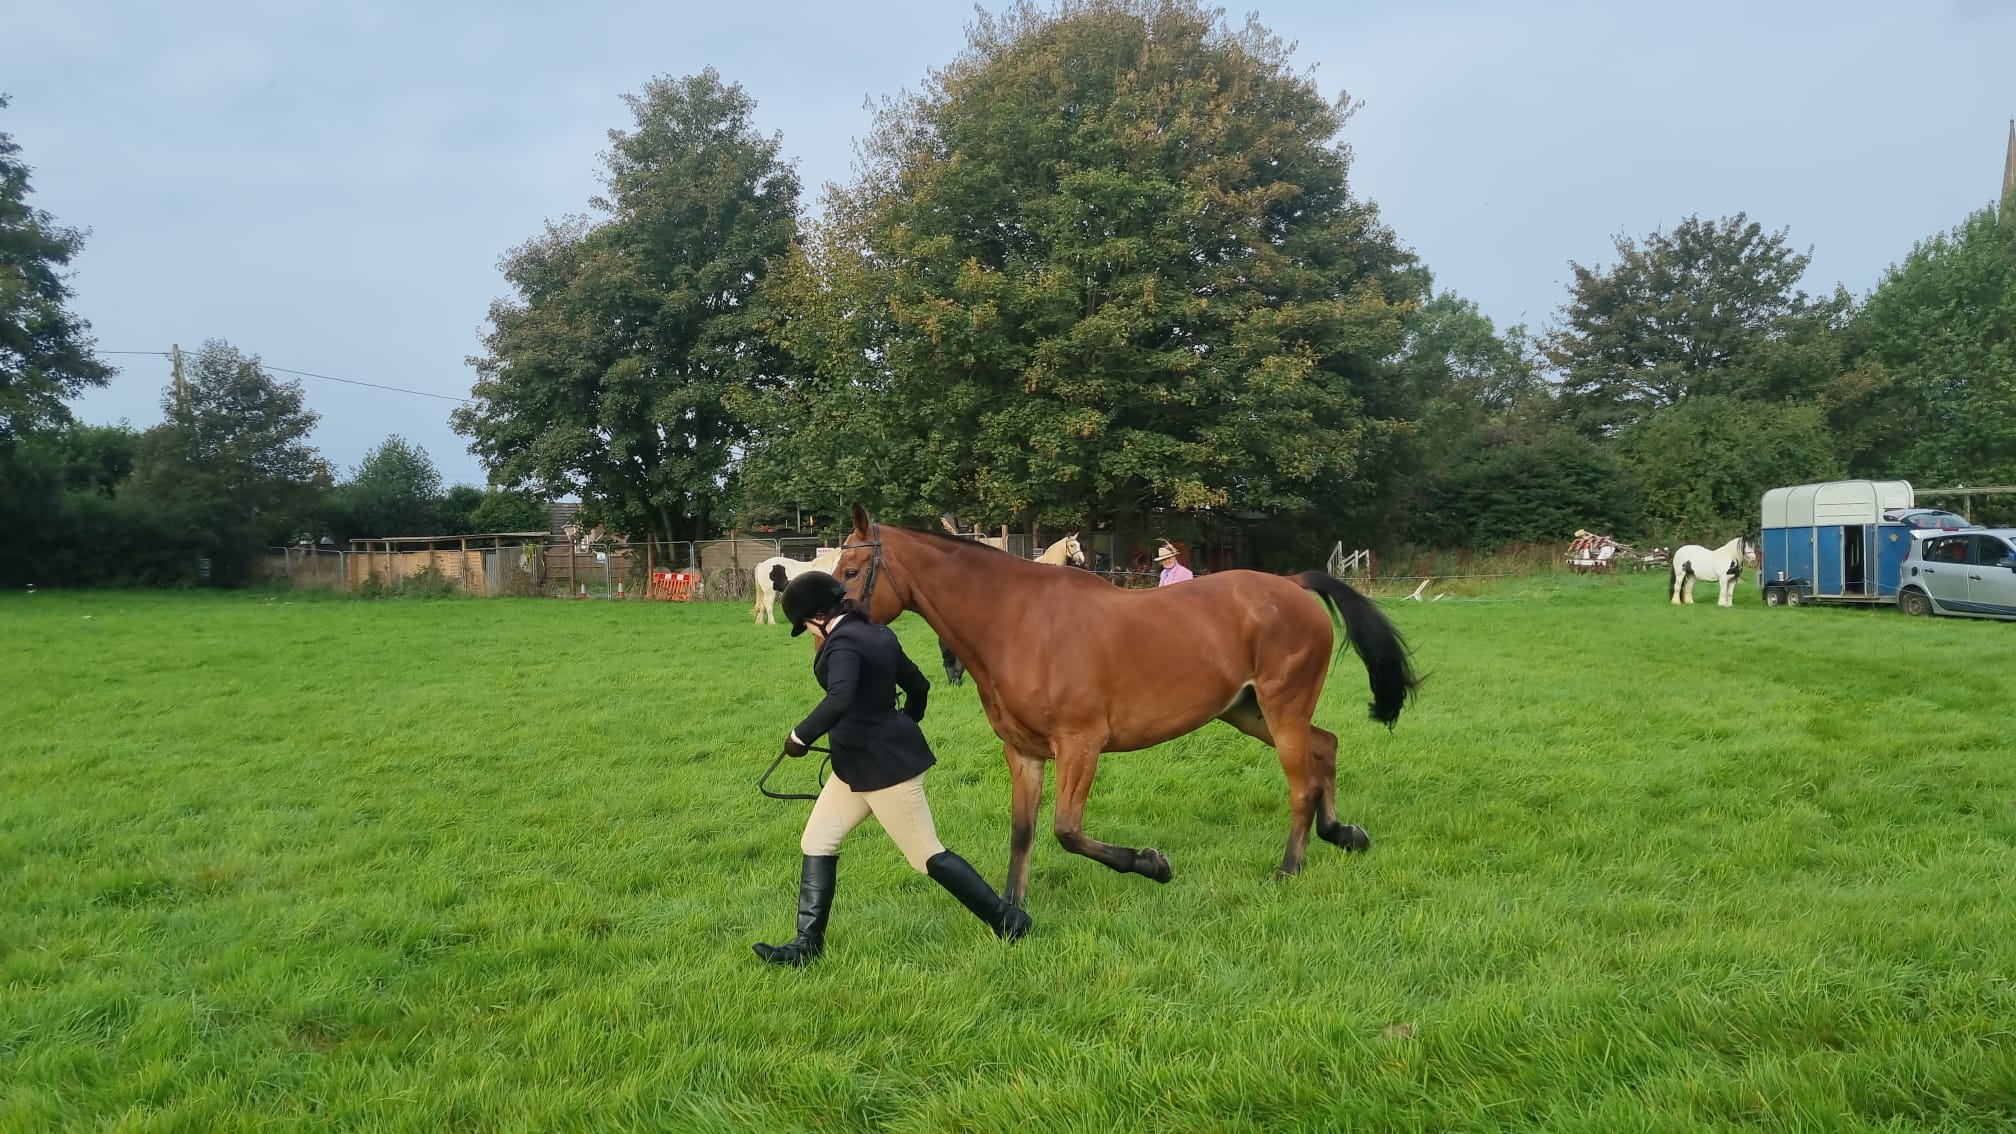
(943, 537)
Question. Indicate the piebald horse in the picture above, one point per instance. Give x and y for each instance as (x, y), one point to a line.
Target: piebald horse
(1724, 565)
(1243, 647)
(768, 588)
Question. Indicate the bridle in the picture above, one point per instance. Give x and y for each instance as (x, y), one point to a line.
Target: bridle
(874, 544)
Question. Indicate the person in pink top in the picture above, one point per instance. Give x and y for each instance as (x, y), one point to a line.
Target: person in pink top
(1172, 571)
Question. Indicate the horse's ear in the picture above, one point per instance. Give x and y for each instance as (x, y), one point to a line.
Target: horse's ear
(861, 521)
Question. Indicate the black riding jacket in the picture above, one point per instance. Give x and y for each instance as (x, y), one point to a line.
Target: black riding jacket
(874, 744)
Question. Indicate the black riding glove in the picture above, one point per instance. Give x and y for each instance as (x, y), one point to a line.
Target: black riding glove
(913, 707)
(794, 746)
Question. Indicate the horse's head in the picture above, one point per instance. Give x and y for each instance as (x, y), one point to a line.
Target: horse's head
(1073, 550)
(863, 569)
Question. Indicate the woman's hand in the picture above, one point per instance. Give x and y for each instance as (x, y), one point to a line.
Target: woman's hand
(794, 746)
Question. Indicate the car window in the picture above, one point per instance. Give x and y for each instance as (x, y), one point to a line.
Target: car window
(1946, 550)
(1935, 520)
(1989, 550)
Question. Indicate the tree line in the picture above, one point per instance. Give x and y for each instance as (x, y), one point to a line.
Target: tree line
(1106, 267)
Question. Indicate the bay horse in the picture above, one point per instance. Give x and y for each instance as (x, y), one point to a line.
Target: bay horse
(1065, 552)
(1724, 565)
(1244, 647)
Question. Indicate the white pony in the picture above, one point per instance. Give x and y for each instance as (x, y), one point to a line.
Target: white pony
(1064, 551)
(1724, 564)
(765, 609)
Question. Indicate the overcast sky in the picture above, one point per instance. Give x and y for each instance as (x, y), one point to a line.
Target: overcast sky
(330, 185)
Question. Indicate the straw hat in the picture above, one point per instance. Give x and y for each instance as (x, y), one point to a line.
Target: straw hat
(1166, 554)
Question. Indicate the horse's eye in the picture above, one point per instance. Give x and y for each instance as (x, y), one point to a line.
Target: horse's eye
(853, 571)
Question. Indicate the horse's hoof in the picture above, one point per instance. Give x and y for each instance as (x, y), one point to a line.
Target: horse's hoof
(1154, 864)
(1350, 836)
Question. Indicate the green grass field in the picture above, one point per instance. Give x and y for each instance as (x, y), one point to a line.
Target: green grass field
(286, 863)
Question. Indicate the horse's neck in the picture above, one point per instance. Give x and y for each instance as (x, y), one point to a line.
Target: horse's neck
(959, 592)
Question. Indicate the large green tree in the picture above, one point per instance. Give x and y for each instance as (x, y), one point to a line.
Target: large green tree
(1706, 463)
(232, 461)
(45, 358)
(606, 373)
(1457, 379)
(510, 512)
(1106, 262)
(1526, 484)
(45, 351)
(1932, 395)
(395, 490)
(1712, 307)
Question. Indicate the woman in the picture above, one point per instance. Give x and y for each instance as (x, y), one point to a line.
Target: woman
(879, 758)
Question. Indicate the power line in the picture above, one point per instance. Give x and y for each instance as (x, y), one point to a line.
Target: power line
(324, 377)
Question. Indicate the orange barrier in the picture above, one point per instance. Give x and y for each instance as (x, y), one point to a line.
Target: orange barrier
(671, 586)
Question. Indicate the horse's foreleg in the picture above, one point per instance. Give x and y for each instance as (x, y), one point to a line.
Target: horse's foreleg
(1076, 765)
(1025, 778)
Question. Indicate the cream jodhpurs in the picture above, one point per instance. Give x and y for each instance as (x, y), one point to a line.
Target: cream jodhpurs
(900, 808)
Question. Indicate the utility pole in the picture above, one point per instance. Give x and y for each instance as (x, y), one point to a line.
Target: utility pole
(181, 388)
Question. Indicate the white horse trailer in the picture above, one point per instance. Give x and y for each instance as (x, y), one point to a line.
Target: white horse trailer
(1833, 542)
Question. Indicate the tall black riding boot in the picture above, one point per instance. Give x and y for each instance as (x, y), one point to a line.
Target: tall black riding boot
(815, 901)
(964, 883)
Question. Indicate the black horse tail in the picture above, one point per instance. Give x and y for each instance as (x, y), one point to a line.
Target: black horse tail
(1378, 644)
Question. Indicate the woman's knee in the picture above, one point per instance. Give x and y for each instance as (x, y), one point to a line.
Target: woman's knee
(822, 838)
(919, 855)
(818, 845)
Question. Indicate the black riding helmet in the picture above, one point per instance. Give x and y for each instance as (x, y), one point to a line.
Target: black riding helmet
(811, 594)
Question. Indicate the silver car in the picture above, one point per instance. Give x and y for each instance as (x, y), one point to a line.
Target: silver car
(1972, 574)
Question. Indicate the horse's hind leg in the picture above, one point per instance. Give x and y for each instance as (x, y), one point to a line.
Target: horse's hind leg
(1323, 754)
(1076, 764)
(1291, 743)
(1245, 715)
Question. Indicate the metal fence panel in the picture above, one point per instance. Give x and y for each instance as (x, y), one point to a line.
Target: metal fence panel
(727, 567)
(802, 548)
